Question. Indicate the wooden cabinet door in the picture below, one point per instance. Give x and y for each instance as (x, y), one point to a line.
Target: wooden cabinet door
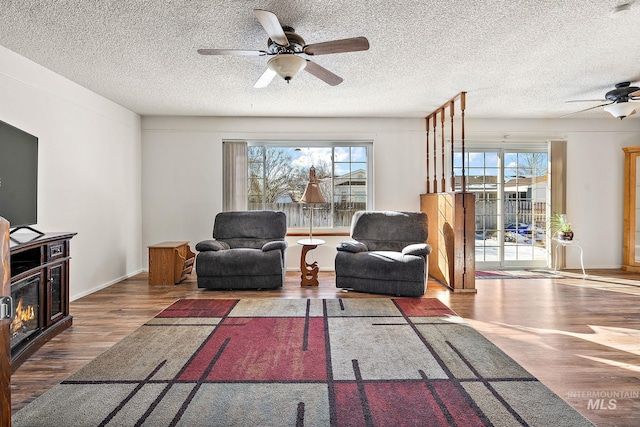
(5, 341)
(631, 220)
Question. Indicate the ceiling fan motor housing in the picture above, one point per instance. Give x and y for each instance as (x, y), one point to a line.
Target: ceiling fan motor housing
(286, 47)
(622, 92)
(296, 42)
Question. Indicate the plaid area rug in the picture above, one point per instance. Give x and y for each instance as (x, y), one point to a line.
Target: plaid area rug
(297, 362)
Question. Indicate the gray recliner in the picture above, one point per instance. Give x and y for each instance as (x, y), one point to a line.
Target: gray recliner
(388, 254)
(247, 252)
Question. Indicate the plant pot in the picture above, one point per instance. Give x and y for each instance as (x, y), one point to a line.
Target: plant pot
(565, 235)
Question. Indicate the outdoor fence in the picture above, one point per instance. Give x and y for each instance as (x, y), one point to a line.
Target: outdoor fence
(298, 214)
(515, 211)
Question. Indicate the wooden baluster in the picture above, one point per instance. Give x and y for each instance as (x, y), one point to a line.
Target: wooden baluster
(435, 169)
(451, 113)
(427, 157)
(443, 184)
(463, 105)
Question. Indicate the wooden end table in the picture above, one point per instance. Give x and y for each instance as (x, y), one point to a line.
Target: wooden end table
(170, 263)
(309, 271)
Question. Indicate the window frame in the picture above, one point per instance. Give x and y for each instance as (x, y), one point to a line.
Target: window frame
(501, 150)
(332, 144)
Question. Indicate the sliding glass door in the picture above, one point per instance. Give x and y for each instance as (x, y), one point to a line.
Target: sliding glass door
(511, 189)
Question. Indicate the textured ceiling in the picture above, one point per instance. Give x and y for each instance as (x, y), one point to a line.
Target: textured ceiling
(515, 58)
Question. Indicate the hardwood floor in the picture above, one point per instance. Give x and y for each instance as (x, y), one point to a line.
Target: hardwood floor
(582, 342)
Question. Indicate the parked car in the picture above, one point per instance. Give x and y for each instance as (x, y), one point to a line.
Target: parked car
(518, 228)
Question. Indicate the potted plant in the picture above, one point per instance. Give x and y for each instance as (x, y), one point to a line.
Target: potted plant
(561, 227)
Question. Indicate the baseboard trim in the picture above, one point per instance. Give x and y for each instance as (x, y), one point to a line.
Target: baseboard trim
(104, 285)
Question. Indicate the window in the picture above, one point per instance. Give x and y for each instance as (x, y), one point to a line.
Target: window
(277, 174)
(511, 191)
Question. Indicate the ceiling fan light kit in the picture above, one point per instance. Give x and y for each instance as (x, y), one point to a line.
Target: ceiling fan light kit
(285, 46)
(287, 65)
(617, 102)
(620, 110)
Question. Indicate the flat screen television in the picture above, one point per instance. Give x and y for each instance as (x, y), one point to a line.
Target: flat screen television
(18, 177)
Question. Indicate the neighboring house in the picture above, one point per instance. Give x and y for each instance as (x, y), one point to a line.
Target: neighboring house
(531, 188)
(351, 187)
(514, 188)
(525, 200)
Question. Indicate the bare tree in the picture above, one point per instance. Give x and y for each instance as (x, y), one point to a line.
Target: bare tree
(270, 172)
(273, 176)
(532, 165)
(300, 178)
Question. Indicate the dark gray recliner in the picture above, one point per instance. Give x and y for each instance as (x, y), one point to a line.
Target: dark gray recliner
(247, 252)
(388, 255)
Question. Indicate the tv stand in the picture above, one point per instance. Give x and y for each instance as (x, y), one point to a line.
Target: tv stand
(40, 291)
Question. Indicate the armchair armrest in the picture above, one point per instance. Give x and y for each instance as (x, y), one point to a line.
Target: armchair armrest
(276, 244)
(417, 249)
(211, 245)
(353, 247)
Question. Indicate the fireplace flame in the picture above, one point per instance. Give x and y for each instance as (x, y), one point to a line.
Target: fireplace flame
(23, 315)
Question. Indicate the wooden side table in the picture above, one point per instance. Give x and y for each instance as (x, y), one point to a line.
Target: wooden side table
(309, 271)
(170, 263)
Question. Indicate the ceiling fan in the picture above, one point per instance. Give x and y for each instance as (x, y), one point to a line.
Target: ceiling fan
(616, 102)
(286, 46)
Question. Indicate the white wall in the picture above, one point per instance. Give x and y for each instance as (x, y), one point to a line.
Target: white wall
(182, 171)
(89, 169)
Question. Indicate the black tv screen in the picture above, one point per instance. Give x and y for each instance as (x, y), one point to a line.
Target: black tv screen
(18, 176)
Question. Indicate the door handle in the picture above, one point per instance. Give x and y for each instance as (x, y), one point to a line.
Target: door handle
(6, 308)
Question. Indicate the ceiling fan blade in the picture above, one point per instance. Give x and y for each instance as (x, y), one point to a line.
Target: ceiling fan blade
(265, 79)
(587, 100)
(353, 44)
(586, 109)
(635, 94)
(232, 52)
(323, 74)
(271, 25)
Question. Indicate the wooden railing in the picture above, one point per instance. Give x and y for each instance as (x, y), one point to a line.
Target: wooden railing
(441, 138)
(451, 214)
